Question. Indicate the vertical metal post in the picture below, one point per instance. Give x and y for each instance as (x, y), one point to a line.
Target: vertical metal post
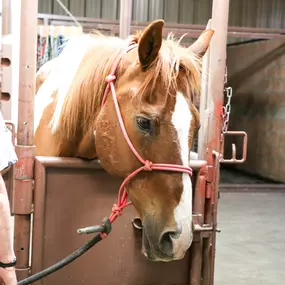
(1, 51)
(217, 64)
(23, 177)
(6, 17)
(203, 108)
(125, 18)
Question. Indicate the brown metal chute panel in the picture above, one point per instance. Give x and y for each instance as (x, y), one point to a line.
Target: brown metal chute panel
(70, 194)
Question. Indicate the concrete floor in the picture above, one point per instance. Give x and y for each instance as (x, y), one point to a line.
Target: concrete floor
(232, 176)
(251, 246)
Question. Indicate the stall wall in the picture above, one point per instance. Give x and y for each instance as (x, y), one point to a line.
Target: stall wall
(257, 74)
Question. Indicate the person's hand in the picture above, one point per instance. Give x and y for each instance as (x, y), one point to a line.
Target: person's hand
(8, 276)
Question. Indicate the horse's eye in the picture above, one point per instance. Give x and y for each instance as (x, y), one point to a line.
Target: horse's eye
(144, 124)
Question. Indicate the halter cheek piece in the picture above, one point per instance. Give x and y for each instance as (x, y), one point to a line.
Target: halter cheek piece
(146, 164)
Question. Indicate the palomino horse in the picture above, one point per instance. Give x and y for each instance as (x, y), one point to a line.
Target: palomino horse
(155, 83)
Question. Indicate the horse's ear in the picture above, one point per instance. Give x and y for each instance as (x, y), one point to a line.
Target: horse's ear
(200, 46)
(150, 43)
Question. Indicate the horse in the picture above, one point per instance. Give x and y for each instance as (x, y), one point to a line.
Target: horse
(155, 82)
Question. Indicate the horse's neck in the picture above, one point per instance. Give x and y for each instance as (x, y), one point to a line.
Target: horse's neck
(86, 148)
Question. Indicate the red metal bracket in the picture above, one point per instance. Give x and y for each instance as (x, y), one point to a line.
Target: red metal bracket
(233, 160)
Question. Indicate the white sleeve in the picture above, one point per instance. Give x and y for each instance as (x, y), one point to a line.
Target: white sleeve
(7, 152)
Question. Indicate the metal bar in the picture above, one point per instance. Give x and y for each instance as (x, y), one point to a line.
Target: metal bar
(193, 30)
(248, 187)
(39, 220)
(170, 25)
(197, 245)
(24, 148)
(70, 162)
(217, 64)
(6, 17)
(125, 18)
(178, 31)
(203, 102)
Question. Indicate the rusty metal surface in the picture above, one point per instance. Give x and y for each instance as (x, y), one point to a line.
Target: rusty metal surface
(68, 197)
(22, 273)
(24, 166)
(22, 241)
(196, 262)
(23, 197)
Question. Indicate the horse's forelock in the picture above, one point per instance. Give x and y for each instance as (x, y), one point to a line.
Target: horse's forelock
(165, 69)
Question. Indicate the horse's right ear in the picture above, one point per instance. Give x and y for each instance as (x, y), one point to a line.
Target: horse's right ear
(150, 43)
(200, 46)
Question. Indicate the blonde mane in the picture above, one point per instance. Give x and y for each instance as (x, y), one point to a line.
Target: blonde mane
(77, 108)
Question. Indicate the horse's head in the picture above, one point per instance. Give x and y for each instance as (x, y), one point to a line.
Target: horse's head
(155, 87)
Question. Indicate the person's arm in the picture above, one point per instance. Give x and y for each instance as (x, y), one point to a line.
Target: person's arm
(7, 255)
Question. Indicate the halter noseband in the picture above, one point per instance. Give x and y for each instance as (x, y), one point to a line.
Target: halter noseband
(147, 165)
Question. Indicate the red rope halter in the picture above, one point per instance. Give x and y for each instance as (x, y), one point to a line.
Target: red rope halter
(146, 164)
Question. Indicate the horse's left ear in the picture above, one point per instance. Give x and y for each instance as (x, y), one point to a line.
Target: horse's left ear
(150, 43)
(200, 46)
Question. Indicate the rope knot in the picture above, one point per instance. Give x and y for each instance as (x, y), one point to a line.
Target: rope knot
(117, 210)
(148, 165)
(110, 78)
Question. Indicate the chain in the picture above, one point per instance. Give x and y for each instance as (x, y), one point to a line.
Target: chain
(227, 109)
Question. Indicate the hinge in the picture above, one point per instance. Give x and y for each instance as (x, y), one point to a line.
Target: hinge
(210, 174)
(25, 165)
(22, 206)
(23, 181)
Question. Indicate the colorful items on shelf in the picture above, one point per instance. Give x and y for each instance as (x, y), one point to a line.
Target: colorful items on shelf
(51, 40)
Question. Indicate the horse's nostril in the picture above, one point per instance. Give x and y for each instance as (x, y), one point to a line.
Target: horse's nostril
(174, 235)
(166, 242)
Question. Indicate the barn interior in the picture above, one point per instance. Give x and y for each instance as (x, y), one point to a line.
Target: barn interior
(250, 248)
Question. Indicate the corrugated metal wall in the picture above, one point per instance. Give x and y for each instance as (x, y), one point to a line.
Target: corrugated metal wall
(244, 13)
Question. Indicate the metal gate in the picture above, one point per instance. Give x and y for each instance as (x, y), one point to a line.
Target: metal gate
(53, 197)
(70, 194)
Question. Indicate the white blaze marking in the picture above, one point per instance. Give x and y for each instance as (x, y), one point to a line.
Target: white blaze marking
(181, 120)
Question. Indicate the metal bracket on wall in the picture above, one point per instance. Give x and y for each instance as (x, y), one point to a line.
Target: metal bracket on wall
(201, 229)
(233, 159)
